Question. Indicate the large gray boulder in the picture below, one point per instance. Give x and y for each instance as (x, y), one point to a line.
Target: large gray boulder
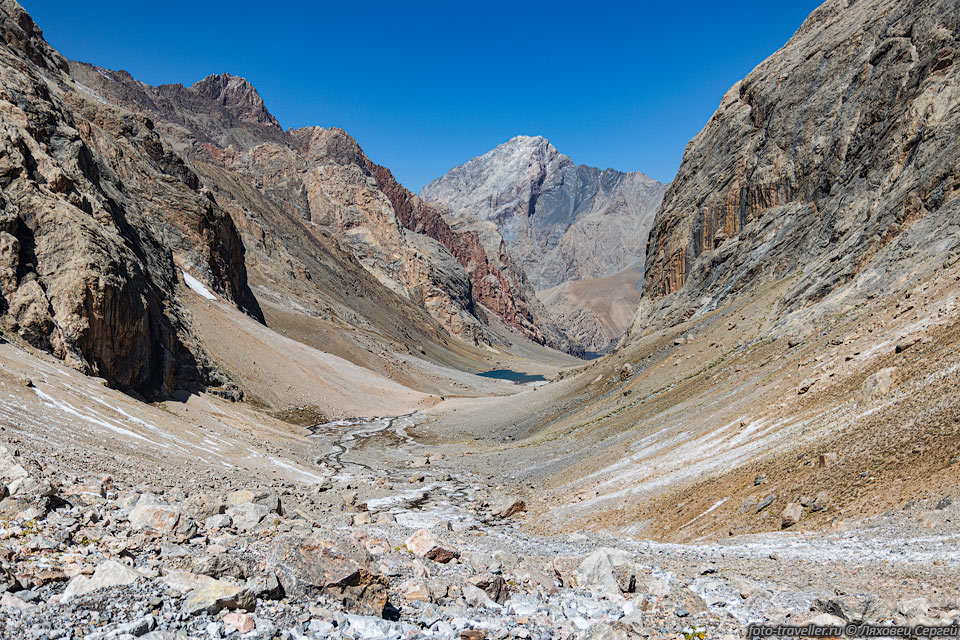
(310, 565)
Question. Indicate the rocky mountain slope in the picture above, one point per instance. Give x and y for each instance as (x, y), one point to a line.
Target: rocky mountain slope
(597, 310)
(833, 163)
(321, 183)
(561, 222)
(99, 218)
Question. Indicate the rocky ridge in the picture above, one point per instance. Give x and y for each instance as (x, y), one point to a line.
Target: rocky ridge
(323, 182)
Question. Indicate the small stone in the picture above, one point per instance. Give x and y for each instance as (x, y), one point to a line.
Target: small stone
(877, 385)
(240, 622)
(820, 502)
(426, 545)
(827, 459)
(766, 501)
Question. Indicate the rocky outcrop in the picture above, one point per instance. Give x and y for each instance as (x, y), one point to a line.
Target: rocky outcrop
(496, 282)
(560, 221)
(833, 161)
(97, 211)
(320, 182)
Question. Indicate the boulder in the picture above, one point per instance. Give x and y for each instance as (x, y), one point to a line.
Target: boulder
(90, 488)
(11, 602)
(492, 584)
(851, 608)
(477, 597)
(109, 573)
(606, 570)
(426, 545)
(416, 589)
(265, 586)
(247, 516)
(791, 515)
(217, 595)
(309, 565)
(152, 515)
(510, 507)
(263, 498)
(914, 608)
(183, 581)
(224, 564)
(218, 521)
(203, 506)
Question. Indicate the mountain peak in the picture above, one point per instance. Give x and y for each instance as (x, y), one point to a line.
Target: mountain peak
(235, 94)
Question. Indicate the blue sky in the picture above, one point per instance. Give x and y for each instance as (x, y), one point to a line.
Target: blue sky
(424, 86)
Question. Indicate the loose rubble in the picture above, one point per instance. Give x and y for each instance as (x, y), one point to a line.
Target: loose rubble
(92, 558)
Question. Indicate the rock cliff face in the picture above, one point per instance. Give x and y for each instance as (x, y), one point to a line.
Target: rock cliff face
(560, 221)
(319, 181)
(835, 160)
(98, 216)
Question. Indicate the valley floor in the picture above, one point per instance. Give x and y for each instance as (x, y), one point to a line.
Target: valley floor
(609, 503)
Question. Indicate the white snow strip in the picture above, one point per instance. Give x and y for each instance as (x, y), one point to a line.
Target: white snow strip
(98, 420)
(716, 504)
(197, 286)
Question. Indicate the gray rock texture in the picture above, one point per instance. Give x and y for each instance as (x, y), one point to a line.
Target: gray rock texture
(834, 161)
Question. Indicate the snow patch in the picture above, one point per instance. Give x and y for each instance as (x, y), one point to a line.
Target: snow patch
(197, 286)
